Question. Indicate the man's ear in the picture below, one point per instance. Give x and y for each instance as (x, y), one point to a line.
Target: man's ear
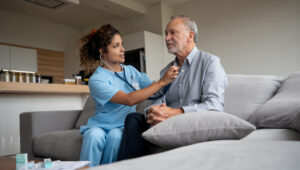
(191, 36)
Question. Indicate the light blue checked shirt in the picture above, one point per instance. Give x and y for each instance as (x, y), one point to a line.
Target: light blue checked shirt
(200, 84)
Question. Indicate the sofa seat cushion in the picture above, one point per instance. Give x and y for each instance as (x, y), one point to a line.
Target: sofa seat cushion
(61, 145)
(245, 93)
(274, 134)
(282, 110)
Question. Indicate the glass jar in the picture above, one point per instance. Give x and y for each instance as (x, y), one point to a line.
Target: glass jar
(27, 78)
(6, 76)
(38, 78)
(33, 78)
(20, 78)
(13, 77)
(78, 80)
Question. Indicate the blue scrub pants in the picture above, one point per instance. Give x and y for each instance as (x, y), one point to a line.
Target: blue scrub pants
(100, 146)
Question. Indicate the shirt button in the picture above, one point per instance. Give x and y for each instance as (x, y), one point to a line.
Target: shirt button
(180, 84)
(180, 100)
(182, 70)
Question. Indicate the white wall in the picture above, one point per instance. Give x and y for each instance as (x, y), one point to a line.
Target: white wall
(33, 32)
(250, 36)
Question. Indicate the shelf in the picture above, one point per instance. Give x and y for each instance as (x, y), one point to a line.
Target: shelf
(9, 87)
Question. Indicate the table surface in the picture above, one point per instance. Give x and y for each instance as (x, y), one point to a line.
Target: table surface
(7, 163)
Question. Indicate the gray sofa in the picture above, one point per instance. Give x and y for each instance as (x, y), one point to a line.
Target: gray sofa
(271, 103)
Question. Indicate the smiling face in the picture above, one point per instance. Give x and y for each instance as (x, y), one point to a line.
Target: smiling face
(177, 36)
(115, 53)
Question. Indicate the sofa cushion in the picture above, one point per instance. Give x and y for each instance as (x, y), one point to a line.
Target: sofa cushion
(197, 127)
(273, 134)
(87, 111)
(62, 145)
(245, 93)
(283, 110)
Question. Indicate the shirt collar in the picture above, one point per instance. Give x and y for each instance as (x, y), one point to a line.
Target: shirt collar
(189, 59)
(192, 55)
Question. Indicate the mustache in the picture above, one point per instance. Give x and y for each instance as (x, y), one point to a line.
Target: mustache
(170, 43)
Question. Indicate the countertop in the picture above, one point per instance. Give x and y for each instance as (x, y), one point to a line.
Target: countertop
(9, 87)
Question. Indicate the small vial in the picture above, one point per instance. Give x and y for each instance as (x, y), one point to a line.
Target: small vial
(27, 78)
(13, 77)
(78, 80)
(20, 78)
(39, 78)
(6, 76)
(33, 78)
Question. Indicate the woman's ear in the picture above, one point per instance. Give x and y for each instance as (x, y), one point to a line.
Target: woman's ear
(101, 51)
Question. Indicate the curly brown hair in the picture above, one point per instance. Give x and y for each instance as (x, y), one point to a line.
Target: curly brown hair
(91, 43)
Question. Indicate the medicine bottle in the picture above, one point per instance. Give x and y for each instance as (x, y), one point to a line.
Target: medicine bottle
(13, 77)
(6, 76)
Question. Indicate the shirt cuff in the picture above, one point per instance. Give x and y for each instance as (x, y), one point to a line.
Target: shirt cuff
(187, 109)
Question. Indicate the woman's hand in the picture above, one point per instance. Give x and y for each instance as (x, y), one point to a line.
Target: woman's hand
(169, 75)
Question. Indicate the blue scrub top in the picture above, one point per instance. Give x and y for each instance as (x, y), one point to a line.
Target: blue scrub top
(104, 84)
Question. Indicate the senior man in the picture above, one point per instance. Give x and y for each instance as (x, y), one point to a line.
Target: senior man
(199, 86)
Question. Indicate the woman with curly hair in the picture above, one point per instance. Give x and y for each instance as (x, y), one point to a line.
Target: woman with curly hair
(115, 89)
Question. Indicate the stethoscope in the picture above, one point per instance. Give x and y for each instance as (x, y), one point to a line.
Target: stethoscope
(164, 91)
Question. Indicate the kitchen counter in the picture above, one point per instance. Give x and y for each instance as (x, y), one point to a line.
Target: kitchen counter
(9, 87)
(16, 98)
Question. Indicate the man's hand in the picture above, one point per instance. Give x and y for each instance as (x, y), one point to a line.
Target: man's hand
(159, 113)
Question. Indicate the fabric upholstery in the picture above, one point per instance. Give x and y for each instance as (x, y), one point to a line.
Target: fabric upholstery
(219, 155)
(273, 134)
(87, 111)
(197, 127)
(61, 145)
(283, 110)
(245, 93)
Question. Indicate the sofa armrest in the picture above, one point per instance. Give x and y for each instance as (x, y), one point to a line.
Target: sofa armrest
(34, 123)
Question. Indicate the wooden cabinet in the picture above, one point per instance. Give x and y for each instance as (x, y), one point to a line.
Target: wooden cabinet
(51, 63)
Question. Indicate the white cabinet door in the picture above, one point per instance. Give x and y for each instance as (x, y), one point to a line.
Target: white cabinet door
(23, 59)
(4, 57)
(154, 52)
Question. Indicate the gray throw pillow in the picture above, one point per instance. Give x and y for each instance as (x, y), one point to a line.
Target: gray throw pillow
(283, 110)
(246, 93)
(87, 112)
(197, 127)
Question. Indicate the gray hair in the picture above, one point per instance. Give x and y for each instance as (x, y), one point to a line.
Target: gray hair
(189, 23)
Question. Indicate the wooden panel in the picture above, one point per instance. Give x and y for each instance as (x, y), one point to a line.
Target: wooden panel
(51, 63)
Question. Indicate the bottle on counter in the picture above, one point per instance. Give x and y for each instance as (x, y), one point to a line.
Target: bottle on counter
(27, 78)
(6, 76)
(38, 78)
(13, 77)
(33, 78)
(20, 78)
(78, 80)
